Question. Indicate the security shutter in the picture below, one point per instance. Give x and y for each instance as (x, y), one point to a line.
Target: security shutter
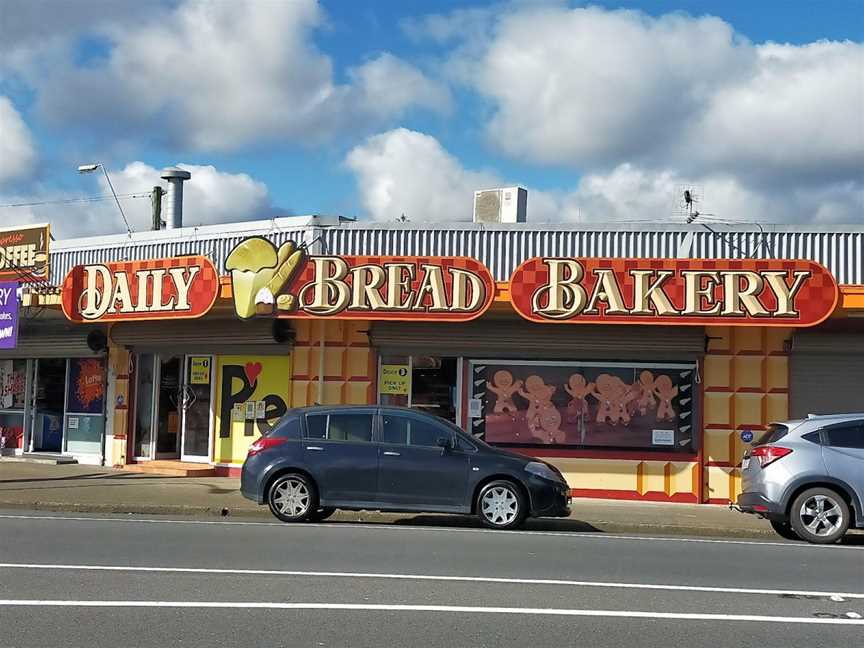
(230, 336)
(526, 340)
(827, 373)
(38, 339)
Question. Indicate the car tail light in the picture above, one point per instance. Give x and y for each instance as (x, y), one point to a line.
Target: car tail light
(769, 454)
(263, 444)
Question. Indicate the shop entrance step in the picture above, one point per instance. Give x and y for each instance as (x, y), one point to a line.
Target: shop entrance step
(40, 458)
(171, 468)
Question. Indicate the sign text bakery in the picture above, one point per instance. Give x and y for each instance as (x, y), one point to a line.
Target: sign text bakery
(268, 281)
(673, 291)
(179, 287)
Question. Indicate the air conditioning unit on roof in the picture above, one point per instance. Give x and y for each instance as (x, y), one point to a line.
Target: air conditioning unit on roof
(506, 205)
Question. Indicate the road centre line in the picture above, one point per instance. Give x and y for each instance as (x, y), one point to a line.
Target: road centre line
(626, 614)
(432, 577)
(576, 535)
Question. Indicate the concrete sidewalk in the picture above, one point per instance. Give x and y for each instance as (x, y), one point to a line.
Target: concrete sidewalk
(75, 488)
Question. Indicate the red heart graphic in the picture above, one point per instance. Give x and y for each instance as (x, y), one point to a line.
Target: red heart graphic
(253, 370)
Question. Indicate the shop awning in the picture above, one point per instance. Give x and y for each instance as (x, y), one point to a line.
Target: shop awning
(519, 339)
(229, 336)
(51, 339)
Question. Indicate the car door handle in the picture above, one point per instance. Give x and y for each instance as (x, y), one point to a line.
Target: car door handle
(390, 453)
(318, 448)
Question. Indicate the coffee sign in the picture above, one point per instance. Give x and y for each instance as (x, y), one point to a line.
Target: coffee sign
(24, 253)
(286, 282)
(176, 288)
(674, 291)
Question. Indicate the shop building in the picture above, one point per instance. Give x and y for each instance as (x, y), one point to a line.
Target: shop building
(643, 373)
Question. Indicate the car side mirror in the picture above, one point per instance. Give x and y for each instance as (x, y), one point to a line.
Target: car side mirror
(444, 442)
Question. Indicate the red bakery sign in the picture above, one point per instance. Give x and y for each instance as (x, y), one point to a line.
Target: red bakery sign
(268, 281)
(176, 288)
(674, 291)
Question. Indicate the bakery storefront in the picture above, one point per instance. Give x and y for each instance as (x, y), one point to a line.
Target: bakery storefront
(639, 378)
(189, 382)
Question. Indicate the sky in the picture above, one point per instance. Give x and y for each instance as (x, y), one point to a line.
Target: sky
(377, 109)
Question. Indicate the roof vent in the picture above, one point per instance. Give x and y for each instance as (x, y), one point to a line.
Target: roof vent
(506, 205)
(174, 211)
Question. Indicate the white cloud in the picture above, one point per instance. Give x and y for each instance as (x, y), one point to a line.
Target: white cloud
(218, 76)
(17, 152)
(402, 171)
(592, 89)
(406, 172)
(209, 197)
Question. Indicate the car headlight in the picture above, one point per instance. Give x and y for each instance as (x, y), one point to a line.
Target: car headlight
(542, 470)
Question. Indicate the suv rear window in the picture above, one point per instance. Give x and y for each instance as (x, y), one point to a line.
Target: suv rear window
(287, 428)
(773, 434)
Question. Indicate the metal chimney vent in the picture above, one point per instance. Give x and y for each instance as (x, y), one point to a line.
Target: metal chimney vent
(174, 209)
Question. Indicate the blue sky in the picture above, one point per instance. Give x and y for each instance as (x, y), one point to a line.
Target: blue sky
(373, 108)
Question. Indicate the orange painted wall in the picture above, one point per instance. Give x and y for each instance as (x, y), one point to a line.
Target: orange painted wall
(350, 363)
(745, 386)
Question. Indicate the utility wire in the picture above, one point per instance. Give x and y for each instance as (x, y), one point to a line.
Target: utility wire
(68, 201)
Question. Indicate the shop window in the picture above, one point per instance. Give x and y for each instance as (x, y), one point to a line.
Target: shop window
(425, 383)
(569, 404)
(85, 403)
(13, 380)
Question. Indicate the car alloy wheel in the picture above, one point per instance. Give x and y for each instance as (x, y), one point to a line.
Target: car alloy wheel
(501, 505)
(291, 498)
(820, 515)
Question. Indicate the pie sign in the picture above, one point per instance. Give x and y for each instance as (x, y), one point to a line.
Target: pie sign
(761, 292)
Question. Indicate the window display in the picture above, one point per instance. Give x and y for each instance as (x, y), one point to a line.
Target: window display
(583, 404)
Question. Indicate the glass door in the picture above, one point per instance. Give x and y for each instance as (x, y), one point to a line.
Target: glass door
(48, 405)
(196, 398)
(145, 379)
(168, 397)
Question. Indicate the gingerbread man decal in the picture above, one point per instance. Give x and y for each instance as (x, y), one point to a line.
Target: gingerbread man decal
(578, 388)
(504, 387)
(665, 391)
(612, 394)
(542, 413)
(645, 388)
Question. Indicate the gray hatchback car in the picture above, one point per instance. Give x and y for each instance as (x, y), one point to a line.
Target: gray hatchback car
(807, 477)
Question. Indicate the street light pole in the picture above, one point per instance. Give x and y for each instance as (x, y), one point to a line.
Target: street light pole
(89, 168)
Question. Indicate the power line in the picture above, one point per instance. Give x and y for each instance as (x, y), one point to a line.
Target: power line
(69, 201)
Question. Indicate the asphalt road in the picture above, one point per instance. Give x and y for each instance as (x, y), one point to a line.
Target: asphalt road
(99, 581)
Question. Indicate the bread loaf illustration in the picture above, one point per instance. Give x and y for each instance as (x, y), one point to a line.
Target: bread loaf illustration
(259, 273)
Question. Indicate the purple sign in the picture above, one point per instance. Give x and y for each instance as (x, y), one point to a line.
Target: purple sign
(8, 314)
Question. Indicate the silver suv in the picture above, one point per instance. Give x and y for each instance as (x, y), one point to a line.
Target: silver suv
(807, 477)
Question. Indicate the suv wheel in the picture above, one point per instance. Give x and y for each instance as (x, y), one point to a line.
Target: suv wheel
(819, 515)
(784, 530)
(501, 505)
(292, 497)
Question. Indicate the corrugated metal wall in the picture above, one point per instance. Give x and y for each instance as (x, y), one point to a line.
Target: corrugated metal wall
(216, 248)
(502, 249)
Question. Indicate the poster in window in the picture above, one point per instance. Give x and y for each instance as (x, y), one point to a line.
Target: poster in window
(13, 378)
(585, 405)
(86, 387)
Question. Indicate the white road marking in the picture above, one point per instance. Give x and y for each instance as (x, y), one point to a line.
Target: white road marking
(576, 535)
(245, 605)
(834, 596)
